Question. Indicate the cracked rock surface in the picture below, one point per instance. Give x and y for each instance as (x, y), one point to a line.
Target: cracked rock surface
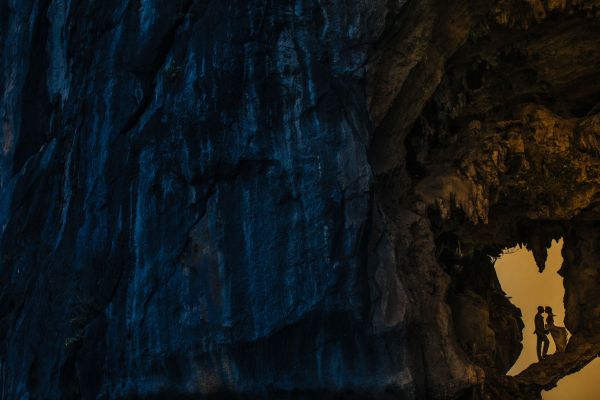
(291, 199)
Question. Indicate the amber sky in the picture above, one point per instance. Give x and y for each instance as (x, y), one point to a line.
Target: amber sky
(528, 288)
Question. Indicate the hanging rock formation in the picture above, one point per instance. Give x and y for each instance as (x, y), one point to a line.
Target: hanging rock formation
(291, 199)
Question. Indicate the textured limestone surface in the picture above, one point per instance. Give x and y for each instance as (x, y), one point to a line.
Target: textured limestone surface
(291, 199)
(491, 136)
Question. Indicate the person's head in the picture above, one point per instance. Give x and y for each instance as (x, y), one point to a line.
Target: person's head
(540, 309)
(548, 310)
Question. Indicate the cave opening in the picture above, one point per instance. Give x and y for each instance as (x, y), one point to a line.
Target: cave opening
(500, 273)
(526, 288)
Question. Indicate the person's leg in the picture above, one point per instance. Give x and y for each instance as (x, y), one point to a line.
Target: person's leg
(539, 347)
(546, 344)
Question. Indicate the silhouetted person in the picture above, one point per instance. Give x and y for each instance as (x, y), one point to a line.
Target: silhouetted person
(541, 333)
(559, 333)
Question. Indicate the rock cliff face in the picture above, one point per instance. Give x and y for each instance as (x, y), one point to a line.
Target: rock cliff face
(291, 199)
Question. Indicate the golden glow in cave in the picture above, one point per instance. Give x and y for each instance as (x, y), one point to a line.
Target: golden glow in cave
(527, 288)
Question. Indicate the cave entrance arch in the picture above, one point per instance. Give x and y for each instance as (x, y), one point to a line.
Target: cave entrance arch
(526, 288)
(487, 318)
(487, 136)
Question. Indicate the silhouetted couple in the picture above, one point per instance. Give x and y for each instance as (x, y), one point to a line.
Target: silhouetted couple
(559, 333)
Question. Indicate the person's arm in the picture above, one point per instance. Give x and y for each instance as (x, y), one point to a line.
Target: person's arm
(539, 324)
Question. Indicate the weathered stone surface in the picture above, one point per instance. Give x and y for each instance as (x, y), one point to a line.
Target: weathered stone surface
(490, 132)
(290, 199)
(185, 196)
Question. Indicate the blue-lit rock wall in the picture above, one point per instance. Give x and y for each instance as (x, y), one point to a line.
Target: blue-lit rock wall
(185, 199)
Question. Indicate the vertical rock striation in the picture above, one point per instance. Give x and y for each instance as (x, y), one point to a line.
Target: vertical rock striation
(185, 199)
